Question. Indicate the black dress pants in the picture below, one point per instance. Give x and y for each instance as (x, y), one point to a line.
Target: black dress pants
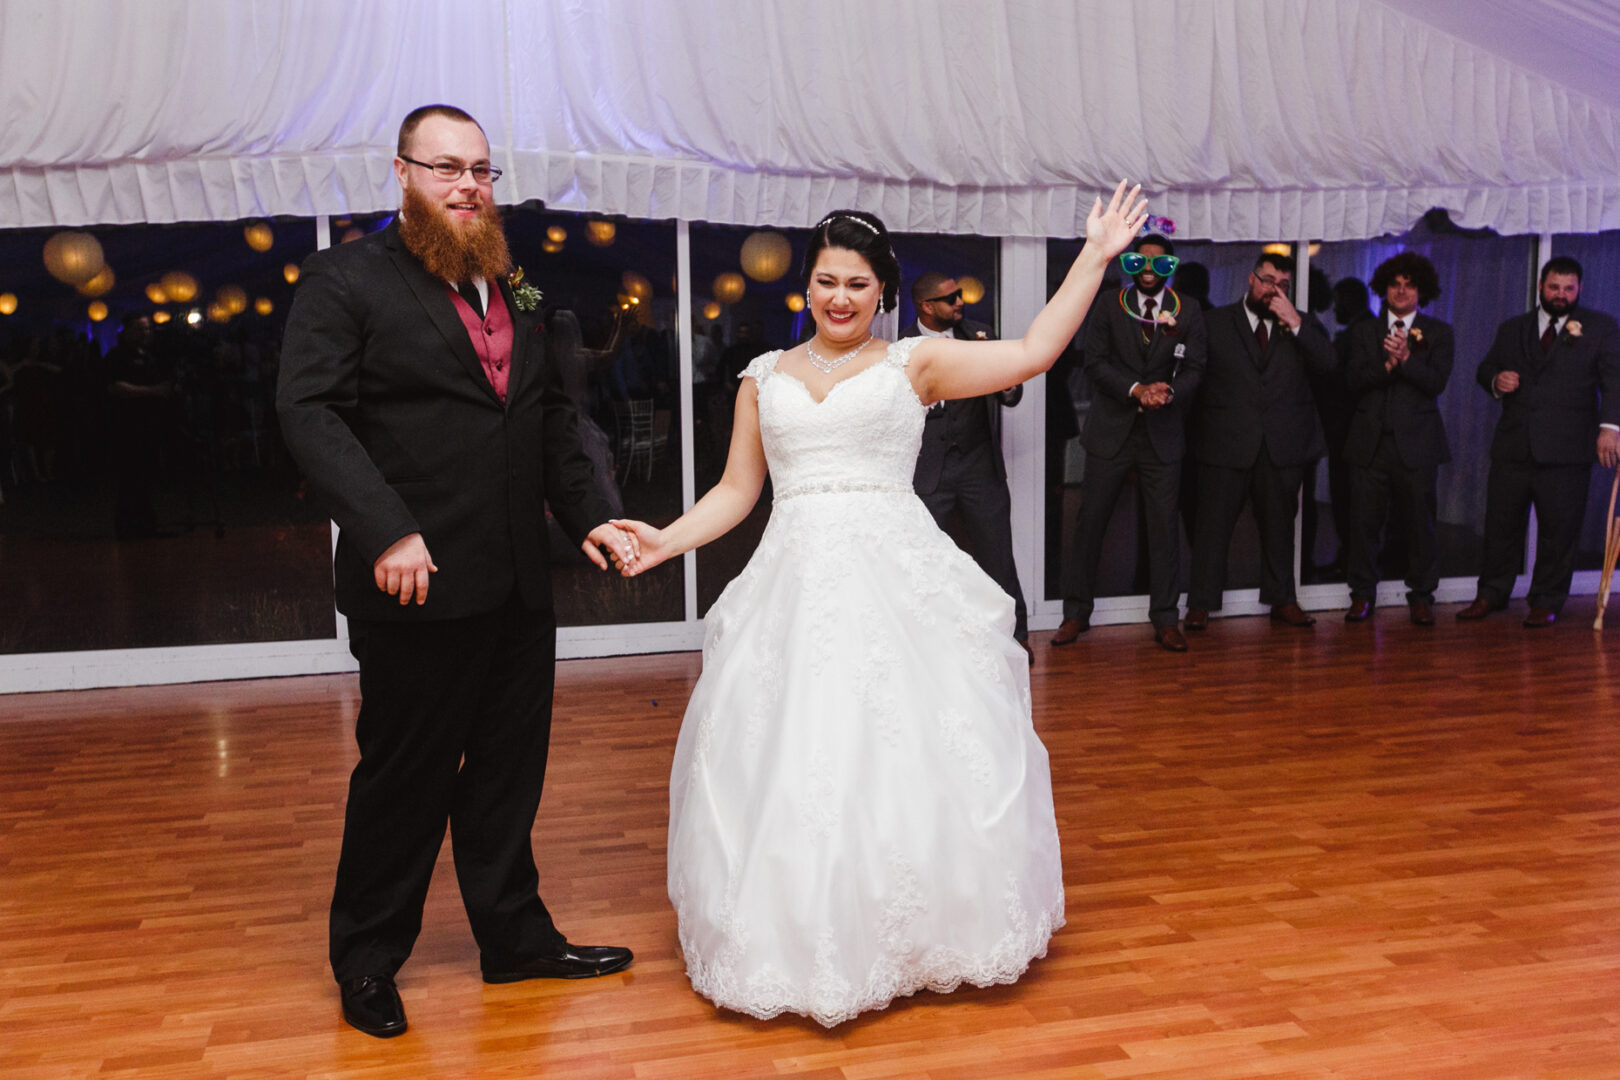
(970, 483)
(1373, 489)
(1273, 490)
(1558, 492)
(455, 718)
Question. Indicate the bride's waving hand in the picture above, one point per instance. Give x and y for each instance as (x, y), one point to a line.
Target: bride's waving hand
(945, 368)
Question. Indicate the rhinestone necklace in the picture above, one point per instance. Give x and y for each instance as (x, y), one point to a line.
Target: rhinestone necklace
(826, 366)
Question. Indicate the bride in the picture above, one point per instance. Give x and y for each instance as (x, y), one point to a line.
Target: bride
(859, 806)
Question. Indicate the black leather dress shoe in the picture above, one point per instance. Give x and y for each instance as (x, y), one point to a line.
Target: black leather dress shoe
(371, 1004)
(1197, 619)
(1477, 610)
(567, 962)
(1291, 614)
(1359, 610)
(1540, 618)
(1422, 614)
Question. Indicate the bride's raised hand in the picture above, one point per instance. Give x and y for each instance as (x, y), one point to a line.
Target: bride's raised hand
(647, 547)
(1113, 228)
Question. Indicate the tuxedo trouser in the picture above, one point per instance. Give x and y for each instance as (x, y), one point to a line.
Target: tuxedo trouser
(1558, 493)
(1273, 491)
(455, 718)
(1158, 488)
(970, 482)
(1372, 489)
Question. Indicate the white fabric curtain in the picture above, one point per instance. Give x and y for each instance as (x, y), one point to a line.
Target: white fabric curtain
(1247, 119)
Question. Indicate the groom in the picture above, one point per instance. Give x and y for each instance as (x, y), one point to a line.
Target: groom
(416, 398)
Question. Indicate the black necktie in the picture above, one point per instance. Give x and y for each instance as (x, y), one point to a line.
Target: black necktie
(1400, 325)
(1549, 335)
(469, 293)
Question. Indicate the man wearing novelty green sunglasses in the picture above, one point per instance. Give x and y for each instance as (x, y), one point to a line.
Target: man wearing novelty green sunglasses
(1144, 359)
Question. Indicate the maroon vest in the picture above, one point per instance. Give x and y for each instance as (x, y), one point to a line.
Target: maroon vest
(491, 336)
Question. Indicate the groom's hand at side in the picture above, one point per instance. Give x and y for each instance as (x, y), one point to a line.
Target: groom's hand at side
(403, 569)
(619, 543)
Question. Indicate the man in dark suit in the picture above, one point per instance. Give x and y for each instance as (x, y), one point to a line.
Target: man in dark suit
(1556, 371)
(416, 398)
(1396, 443)
(1144, 357)
(1254, 432)
(960, 464)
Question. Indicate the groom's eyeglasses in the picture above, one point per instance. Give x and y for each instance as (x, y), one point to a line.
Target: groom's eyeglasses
(1135, 262)
(948, 298)
(450, 172)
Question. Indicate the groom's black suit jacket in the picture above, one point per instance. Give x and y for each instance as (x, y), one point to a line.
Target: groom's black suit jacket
(385, 407)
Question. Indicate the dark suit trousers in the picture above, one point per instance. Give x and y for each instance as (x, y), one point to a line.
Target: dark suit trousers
(455, 718)
(969, 482)
(1558, 493)
(1372, 488)
(1273, 491)
(1158, 488)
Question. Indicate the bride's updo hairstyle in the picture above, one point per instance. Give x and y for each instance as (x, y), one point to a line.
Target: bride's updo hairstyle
(864, 234)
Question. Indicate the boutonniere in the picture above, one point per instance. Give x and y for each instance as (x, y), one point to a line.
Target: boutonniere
(1166, 319)
(524, 295)
(980, 335)
(1572, 328)
(1414, 336)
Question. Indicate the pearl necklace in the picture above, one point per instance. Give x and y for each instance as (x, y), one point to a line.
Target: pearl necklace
(826, 366)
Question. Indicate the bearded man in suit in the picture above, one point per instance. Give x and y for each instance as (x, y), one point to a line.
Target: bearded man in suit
(417, 399)
(1255, 430)
(960, 465)
(1144, 358)
(1556, 371)
(1398, 367)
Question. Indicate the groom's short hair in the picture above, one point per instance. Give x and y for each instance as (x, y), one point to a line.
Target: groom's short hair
(925, 287)
(414, 118)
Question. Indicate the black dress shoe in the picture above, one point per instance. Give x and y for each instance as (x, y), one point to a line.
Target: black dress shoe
(1291, 614)
(371, 1004)
(1197, 619)
(1477, 610)
(1540, 618)
(1359, 610)
(566, 962)
(1422, 614)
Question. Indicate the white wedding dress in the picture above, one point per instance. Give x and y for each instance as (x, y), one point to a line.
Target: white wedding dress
(859, 806)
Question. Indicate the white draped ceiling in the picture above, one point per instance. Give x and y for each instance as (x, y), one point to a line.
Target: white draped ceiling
(1246, 119)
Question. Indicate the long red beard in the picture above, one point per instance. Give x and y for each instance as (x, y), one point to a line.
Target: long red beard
(451, 251)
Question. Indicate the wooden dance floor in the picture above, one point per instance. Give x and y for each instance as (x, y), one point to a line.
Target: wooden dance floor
(1348, 852)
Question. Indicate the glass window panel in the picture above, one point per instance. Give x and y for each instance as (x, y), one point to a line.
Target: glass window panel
(1599, 256)
(608, 288)
(1484, 278)
(145, 496)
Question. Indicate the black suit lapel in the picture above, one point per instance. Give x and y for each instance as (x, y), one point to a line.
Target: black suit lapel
(434, 297)
(522, 331)
(1245, 332)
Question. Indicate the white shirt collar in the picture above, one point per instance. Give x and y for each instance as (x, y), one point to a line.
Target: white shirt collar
(925, 332)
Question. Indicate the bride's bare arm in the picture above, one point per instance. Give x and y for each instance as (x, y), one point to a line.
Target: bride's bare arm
(945, 368)
(719, 511)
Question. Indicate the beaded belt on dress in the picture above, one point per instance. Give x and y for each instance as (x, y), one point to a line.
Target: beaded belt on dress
(842, 487)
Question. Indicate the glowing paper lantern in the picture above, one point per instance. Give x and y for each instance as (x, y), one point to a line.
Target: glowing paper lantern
(729, 287)
(160, 316)
(1286, 250)
(178, 286)
(258, 236)
(155, 293)
(100, 285)
(550, 247)
(600, 233)
(635, 285)
(263, 305)
(711, 311)
(73, 258)
(219, 313)
(97, 311)
(232, 297)
(765, 255)
(972, 289)
(795, 302)
(556, 234)
(8, 303)
(289, 273)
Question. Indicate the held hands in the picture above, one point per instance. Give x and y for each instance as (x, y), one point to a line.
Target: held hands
(403, 569)
(1506, 382)
(1154, 395)
(1111, 230)
(1396, 350)
(1608, 447)
(620, 544)
(647, 547)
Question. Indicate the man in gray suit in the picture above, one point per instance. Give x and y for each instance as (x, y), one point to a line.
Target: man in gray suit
(1144, 358)
(1254, 431)
(960, 464)
(1556, 371)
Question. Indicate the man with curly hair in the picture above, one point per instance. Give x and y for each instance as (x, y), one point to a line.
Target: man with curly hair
(1398, 368)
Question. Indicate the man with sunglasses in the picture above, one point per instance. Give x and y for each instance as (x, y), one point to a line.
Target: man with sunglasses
(1144, 359)
(1255, 431)
(960, 465)
(416, 399)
